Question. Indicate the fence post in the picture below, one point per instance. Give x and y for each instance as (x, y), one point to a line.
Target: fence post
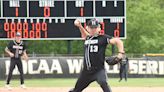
(69, 47)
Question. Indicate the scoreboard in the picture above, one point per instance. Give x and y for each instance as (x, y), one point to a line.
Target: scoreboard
(54, 19)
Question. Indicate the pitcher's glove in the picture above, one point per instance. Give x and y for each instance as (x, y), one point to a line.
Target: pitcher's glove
(113, 60)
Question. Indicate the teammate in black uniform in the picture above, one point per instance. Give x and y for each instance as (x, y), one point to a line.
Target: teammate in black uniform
(94, 56)
(16, 49)
(124, 67)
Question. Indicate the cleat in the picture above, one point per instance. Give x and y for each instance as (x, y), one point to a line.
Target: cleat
(120, 80)
(8, 87)
(23, 86)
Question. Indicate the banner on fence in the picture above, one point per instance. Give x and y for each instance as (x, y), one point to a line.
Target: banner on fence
(71, 67)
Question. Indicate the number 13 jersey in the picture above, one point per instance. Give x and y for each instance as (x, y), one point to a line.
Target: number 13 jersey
(94, 51)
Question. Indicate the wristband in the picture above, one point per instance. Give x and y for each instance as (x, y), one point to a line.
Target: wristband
(122, 52)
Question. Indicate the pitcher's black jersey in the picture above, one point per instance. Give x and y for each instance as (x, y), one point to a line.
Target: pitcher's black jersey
(16, 48)
(94, 54)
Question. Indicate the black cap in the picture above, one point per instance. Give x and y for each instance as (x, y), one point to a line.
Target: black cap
(93, 23)
(18, 34)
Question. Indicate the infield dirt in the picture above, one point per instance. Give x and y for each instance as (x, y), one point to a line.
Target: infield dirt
(89, 89)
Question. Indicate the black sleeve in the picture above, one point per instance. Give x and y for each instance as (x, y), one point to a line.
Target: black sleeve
(10, 44)
(107, 38)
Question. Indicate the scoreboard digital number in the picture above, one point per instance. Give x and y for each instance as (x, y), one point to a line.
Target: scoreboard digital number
(54, 19)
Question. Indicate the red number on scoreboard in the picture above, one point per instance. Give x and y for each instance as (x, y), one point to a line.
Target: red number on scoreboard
(33, 26)
(25, 28)
(32, 34)
(38, 26)
(13, 26)
(38, 33)
(44, 29)
(19, 26)
(25, 34)
(12, 34)
(13, 29)
(6, 26)
(44, 26)
(16, 12)
(117, 31)
(46, 11)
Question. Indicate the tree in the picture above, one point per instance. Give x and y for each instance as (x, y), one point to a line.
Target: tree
(144, 26)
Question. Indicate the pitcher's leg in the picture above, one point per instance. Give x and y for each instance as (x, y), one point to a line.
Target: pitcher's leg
(83, 81)
(102, 81)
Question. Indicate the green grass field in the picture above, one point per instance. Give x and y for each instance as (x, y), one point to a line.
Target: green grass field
(132, 82)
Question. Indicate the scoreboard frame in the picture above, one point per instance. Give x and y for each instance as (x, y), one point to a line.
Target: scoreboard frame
(48, 25)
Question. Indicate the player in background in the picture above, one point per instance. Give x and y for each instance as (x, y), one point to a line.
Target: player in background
(124, 67)
(16, 49)
(94, 56)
